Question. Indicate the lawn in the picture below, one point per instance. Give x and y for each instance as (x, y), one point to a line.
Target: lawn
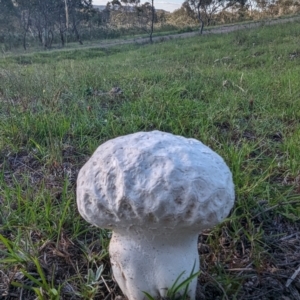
(238, 93)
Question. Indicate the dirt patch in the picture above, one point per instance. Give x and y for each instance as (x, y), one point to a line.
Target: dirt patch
(273, 276)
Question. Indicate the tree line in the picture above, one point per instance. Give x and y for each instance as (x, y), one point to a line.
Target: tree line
(48, 22)
(42, 19)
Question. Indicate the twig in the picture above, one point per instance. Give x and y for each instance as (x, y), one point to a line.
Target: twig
(275, 206)
(247, 267)
(21, 294)
(109, 290)
(26, 166)
(239, 87)
(240, 269)
(288, 236)
(290, 280)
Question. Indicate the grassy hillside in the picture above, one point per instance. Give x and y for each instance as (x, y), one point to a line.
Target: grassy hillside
(238, 93)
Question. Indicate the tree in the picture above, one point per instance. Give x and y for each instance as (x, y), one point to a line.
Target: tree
(184, 16)
(8, 21)
(152, 20)
(130, 13)
(146, 17)
(78, 11)
(6, 13)
(205, 9)
(38, 15)
(45, 17)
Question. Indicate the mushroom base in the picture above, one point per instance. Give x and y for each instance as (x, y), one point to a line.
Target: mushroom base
(142, 262)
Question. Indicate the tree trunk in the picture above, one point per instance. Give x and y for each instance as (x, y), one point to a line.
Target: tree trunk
(50, 38)
(45, 37)
(75, 29)
(152, 21)
(26, 22)
(24, 40)
(39, 30)
(67, 14)
(62, 38)
(200, 18)
(77, 35)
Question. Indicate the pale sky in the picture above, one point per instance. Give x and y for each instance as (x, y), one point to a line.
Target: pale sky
(160, 4)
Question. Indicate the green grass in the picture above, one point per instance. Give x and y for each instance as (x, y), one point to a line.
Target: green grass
(238, 93)
(179, 289)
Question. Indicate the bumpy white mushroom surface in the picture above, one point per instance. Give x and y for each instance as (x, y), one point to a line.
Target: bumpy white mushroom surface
(157, 192)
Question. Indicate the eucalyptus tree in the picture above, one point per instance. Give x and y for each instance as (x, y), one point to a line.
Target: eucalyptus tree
(37, 16)
(133, 13)
(7, 19)
(70, 14)
(183, 16)
(146, 17)
(205, 9)
(8, 23)
(77, 10)
(6, 13)
(45, 17)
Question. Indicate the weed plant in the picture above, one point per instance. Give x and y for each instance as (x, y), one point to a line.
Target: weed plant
(238, 93)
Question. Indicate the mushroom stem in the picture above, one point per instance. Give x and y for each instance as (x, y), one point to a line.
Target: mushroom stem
(145, 262)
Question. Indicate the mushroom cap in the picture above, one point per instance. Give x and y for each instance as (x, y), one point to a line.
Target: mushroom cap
(155, 180)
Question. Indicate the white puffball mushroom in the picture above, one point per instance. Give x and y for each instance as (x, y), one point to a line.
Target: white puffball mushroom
(157, 192)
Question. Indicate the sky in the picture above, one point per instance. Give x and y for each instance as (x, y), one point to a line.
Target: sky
(159, 4)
